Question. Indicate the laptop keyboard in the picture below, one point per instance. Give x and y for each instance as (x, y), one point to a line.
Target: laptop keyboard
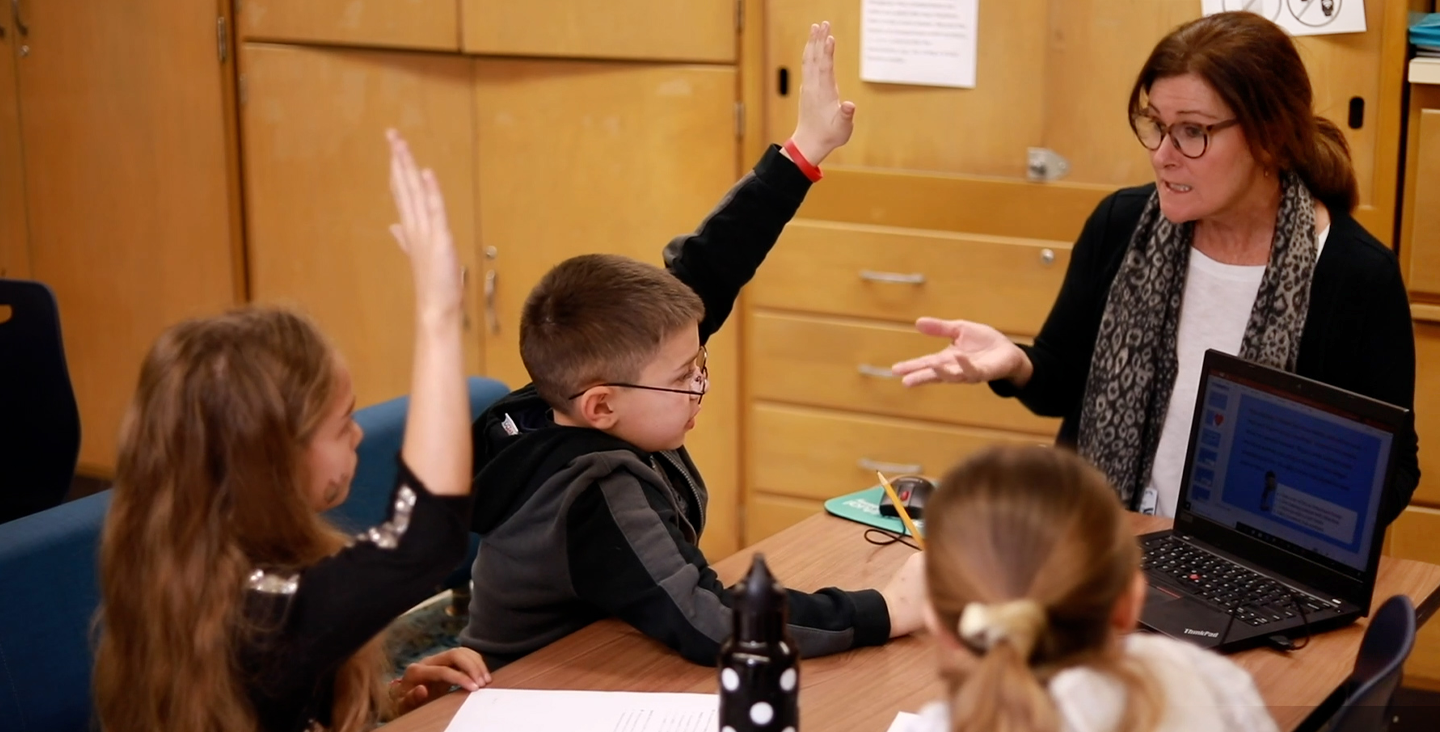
(1252, 597)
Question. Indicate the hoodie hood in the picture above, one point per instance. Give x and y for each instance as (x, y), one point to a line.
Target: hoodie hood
(517, 447)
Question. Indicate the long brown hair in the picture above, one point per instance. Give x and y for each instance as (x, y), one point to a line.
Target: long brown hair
(1038, 527)
(208, 487)
(1254, 66)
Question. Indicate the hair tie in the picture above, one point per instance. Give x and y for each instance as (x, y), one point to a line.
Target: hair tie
(1017, 622)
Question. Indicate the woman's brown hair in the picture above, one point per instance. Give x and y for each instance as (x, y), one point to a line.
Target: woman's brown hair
(1256, 69)
(208, 487)
(1035, 527)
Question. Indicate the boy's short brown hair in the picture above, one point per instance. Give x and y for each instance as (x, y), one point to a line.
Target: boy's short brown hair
(597, 318)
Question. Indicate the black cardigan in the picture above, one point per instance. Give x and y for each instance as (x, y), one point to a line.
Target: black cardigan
(1358, 335)
(306, 624)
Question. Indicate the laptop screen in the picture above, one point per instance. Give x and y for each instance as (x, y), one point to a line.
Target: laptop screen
(1292, 472)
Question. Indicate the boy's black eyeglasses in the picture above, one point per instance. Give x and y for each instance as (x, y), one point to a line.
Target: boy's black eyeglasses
(702, 378)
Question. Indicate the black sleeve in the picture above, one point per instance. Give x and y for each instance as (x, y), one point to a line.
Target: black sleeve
(1386, 356)
(344, 600)
(722, 255)
(1065, 345)
(628, 559)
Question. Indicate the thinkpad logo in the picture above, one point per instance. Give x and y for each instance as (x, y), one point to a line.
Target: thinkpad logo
(1206, 633)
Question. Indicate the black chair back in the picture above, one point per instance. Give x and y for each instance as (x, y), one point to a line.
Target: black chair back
(39, 421)
(1378, 669)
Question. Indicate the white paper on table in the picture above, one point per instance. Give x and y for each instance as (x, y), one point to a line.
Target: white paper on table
(904, 722)
(1300, 17)
(525, 710)
(925, 42)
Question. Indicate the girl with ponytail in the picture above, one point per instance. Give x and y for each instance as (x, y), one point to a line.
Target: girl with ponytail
(1034, 587)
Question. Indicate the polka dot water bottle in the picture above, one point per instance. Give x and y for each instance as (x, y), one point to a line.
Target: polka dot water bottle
(759, 666)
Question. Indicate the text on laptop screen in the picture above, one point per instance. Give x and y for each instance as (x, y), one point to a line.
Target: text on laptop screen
(1289, 473)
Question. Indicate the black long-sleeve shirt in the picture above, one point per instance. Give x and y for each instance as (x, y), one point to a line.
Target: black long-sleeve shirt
(1357, 336)
(310, 621)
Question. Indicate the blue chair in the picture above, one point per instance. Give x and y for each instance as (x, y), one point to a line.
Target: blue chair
(1378, 669)
(384, 426)
(48, 596)
(39, 422)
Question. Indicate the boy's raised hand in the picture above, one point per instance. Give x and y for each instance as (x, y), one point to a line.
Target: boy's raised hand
(825, 122)
(424, 233)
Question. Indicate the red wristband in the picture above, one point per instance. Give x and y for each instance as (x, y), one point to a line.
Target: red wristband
(810, 171)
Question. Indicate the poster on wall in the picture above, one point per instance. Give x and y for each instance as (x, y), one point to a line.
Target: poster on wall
(1301, 17)
(924, 42)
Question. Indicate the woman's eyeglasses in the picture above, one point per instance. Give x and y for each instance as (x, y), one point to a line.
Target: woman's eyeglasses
(1192, 139)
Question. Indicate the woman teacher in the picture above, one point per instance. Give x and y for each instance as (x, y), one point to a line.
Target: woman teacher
(1244, 243)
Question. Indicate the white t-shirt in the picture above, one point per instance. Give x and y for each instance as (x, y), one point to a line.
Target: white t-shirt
(1203, 692)
(1214, 310)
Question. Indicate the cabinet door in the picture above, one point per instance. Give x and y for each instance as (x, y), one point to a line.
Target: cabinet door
(318, 204)
(128, 185)
(428, 24)
(1427, 413)
(1422, 230)
(683, 30)
(14, 239)
(577, 157)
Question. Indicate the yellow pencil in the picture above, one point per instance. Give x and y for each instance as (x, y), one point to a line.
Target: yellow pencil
(900, 509)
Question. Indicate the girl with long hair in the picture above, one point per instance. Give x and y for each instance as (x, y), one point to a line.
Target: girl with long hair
(228, 603)
(1035, 586)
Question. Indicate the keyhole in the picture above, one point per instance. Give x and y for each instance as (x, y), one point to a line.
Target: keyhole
(784, 81)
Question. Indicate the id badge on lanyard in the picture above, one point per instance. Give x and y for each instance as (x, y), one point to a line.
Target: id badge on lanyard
(1149, 500)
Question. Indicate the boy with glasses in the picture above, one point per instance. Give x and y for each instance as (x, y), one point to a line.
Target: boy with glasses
(588, 502)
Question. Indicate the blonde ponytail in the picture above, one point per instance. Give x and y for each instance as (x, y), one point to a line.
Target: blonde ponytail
(1028, 554)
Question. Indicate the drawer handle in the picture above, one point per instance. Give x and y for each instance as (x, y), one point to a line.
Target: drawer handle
(1047, 257)
(878, 372)
(897, 278)
(871, 466)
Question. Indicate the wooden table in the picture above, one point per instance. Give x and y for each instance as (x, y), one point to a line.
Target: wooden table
(863, 689)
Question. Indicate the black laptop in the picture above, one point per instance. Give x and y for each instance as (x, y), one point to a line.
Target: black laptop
(1277, 522)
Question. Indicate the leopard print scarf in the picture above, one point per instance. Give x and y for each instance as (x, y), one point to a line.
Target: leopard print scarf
(1133, 370)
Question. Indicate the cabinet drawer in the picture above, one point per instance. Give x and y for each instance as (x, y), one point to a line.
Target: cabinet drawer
(810, 453)
(767, 515)
(902, 274)
(1416, 535)
(840, 364)
(1427, 413)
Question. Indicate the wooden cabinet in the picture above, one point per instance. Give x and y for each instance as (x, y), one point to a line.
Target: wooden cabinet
(798, 457)
(129, 185)
(1420, 222)
(318, 203)
(427, 24)
(658, 30)
(14, 238)
(929, 211)
(1056, 76)
(575, 157)
(1427, 413)
(504, 136)
(1416, 535)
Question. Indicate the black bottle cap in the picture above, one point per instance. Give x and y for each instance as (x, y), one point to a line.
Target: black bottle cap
(761, 609)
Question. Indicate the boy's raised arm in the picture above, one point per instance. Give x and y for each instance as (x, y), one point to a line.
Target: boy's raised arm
(722, 255)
